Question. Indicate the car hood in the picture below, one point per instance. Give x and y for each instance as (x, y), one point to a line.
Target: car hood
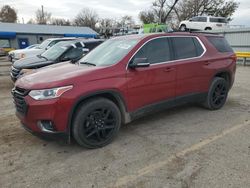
(31, 62)
(55, 76)
(30, 51)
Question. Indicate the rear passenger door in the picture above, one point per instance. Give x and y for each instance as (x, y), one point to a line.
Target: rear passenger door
(155, 83)
(191, 74)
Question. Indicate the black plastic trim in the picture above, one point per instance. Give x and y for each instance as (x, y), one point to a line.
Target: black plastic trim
(166, 104)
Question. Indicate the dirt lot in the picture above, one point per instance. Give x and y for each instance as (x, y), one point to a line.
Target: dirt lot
(182, 147)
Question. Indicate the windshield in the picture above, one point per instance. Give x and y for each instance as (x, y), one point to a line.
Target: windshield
(44, 44)
(54, 52)
(109, 52)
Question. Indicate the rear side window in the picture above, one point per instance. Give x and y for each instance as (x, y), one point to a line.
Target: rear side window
(156, 51)
(186, 47)
(218, 20)
(220, 44)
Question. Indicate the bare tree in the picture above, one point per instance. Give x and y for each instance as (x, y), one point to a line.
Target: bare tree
(126, 21)
(31, 21)
(86, 17)
(42, 17)
(60, 21)
(147, 16)
(189, 8)
(185, 9)
(8, 14)
(158, 12)
(107, 22)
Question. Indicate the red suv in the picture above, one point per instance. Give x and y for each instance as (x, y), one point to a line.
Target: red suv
(122, 79)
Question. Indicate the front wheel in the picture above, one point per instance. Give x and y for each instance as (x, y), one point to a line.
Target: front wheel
(217, 94)
(96, 123)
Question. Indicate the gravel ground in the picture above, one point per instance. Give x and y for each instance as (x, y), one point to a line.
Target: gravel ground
(183, 147)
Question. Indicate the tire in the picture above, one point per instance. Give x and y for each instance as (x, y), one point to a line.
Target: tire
(96, 123)
(183, 28)
(217, 94)
(208, 29)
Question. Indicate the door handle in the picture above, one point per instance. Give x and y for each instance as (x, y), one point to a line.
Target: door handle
(207, 63)
(169, 69)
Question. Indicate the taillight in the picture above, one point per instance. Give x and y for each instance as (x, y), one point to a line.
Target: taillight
(234, 58)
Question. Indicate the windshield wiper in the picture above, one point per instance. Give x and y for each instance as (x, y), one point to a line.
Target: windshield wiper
(87, 63)
(43, 57)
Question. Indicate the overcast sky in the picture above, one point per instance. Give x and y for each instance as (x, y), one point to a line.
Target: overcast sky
(105, 8)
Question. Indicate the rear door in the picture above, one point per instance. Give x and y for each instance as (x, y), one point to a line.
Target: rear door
(155, 83)
(192, 76)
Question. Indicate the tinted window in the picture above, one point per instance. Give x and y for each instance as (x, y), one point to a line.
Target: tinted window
(155, 51)
(195, 19)
(218, 20)
(220, 44)
(73, 53)
(202, 19)
(186, 47)
(91, 45)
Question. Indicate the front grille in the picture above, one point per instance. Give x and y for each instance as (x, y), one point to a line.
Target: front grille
(15, 72)
(18, 96)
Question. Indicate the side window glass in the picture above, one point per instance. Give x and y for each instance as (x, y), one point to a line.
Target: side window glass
(202, 19)
(156, 51)
(184, 47)
(52, 43)
(73, 53)
(195, 19)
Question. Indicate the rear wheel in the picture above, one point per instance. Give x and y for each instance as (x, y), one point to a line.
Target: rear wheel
(96, 123)
(217, 94)
(183, 27)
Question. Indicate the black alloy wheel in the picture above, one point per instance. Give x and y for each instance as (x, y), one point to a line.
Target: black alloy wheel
(96, 123)
(217, 94)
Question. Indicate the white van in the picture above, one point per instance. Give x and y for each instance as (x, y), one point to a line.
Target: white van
(204, 23)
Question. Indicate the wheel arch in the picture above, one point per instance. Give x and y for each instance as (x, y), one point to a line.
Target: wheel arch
(224, 74)
(208, 28)
(113, 95)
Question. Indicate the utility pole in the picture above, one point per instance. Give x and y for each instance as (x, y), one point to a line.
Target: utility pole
(43, 20)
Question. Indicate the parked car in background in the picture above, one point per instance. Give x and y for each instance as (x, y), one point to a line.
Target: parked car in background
(45, 45)
(5, 47)
(204, 23)
(60, 52)
(2, 52)
(12, 52)
(121, 80)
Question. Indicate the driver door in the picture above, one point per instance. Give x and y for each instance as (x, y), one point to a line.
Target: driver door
(156, 83)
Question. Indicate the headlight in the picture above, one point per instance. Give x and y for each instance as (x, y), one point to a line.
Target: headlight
(49, 93)
(23, 71)
(21, 56)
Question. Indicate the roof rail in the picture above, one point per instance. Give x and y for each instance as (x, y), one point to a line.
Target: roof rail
(203, 32)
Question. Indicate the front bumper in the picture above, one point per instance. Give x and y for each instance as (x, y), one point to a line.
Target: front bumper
(33, 112)
(62, 136)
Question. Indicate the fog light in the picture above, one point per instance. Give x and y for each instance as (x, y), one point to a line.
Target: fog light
(46, 126)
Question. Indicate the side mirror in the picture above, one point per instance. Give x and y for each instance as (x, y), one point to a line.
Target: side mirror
(139, 62)
(190, 20)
